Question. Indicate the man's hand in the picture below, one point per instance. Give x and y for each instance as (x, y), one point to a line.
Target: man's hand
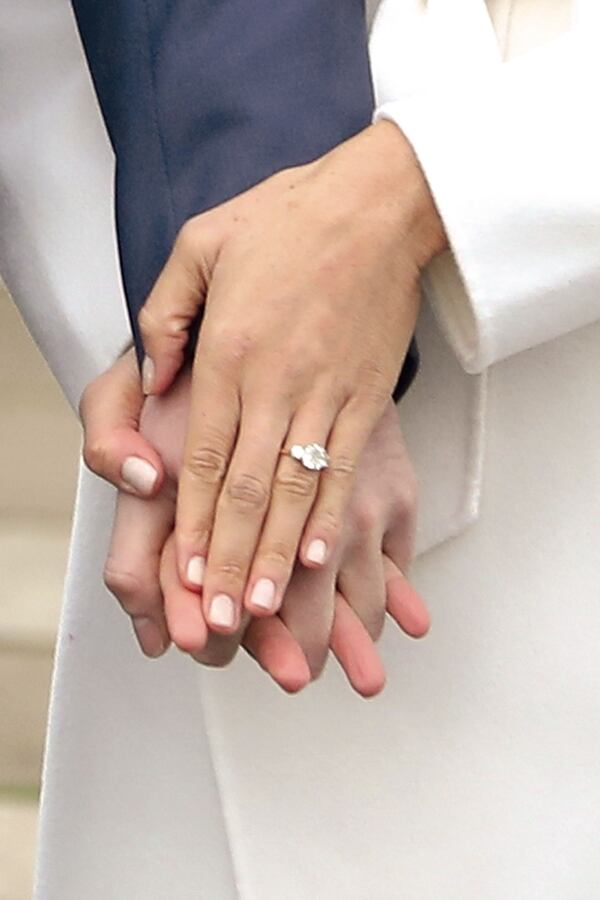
(311, 289)
(292, 647)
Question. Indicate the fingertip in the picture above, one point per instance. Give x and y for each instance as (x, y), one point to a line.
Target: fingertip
(279, 654)
(370, 685)
(222, 614)
(419, 625)
(366, 674)
(192, 572)
(407, 607)
(152, 638)
(316, 553)
(263, 599)
(185, 620)
(158, 373)
(292, 675)
(141, 476)
(188, 631)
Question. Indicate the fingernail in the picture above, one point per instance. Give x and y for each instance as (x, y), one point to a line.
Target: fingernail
(317, 551)
(149, 636)
(139, 474)
(195, 570)
(222, 611)
(263, 593)
(147, 375)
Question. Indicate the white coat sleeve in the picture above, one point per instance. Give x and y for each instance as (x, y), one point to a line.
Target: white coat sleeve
(57, 241)
(513, 161)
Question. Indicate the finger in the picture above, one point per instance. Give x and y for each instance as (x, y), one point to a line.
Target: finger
(183, 608)
(171, 307)
(355, 651)
(271, 644)
(131, 572)
(350, 433)
(113, 448)
(404, 603)
(308, 612)
(212, 430)
(361, 582)
(239, 517)
(293, 493)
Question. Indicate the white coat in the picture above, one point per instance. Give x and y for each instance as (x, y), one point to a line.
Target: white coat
(476, 775)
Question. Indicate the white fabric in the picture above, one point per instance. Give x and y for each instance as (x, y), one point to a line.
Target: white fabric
(511, 154)
(475, 776)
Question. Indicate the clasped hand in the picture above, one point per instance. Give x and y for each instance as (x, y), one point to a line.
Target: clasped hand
(310, 288)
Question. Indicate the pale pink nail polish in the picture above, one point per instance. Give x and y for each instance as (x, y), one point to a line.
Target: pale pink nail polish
(263, 594)
(195, 570)
(148, 371)
(222, 611)
(139, 474)
(317, 551)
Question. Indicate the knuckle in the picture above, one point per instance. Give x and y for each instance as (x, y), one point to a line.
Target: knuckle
(374, 380)
(188, 237)
(343, 466)
(365, 518)
(247, 493)
(329, 521)
(280, 553)
(131, 589)
(95, 455)
(298, 483)
(148, 320)
(230, 346)
(206, 463)
(196, 535)
(232, 570)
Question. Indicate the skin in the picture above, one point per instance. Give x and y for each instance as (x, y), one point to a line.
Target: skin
(310, 282)
(340, 606)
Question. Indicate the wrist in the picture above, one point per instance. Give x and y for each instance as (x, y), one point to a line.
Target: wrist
(377, 173)
(396, 165)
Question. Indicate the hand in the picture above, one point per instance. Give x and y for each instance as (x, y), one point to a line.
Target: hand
(142, 526)
(310, 282)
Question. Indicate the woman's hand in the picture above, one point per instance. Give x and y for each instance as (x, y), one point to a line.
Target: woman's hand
(311, 289)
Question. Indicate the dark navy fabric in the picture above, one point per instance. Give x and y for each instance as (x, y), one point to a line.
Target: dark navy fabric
(204, 98)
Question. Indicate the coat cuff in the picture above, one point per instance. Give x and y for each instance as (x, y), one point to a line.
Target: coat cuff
(515, 182)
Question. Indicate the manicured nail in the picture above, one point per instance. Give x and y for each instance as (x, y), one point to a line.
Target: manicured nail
(317, 551)
(195, 570)
(139, 474)
(149, 636)
(263, 594)
(147, 375)
(222, 611)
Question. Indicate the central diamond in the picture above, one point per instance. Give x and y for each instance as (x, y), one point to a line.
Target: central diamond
(313, 456)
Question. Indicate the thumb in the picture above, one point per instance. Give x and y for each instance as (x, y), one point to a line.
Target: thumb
(113, 448)
(172, 306)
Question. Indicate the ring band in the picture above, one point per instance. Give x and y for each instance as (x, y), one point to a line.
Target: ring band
(312, 456)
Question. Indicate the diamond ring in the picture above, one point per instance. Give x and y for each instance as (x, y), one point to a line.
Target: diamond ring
(312, 456)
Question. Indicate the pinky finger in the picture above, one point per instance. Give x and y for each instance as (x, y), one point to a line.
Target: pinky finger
(355, 651)
(404, 604)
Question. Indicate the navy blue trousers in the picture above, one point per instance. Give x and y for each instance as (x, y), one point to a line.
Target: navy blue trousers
(204, 98)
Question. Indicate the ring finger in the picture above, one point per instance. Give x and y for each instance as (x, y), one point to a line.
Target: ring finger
(295, 487)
